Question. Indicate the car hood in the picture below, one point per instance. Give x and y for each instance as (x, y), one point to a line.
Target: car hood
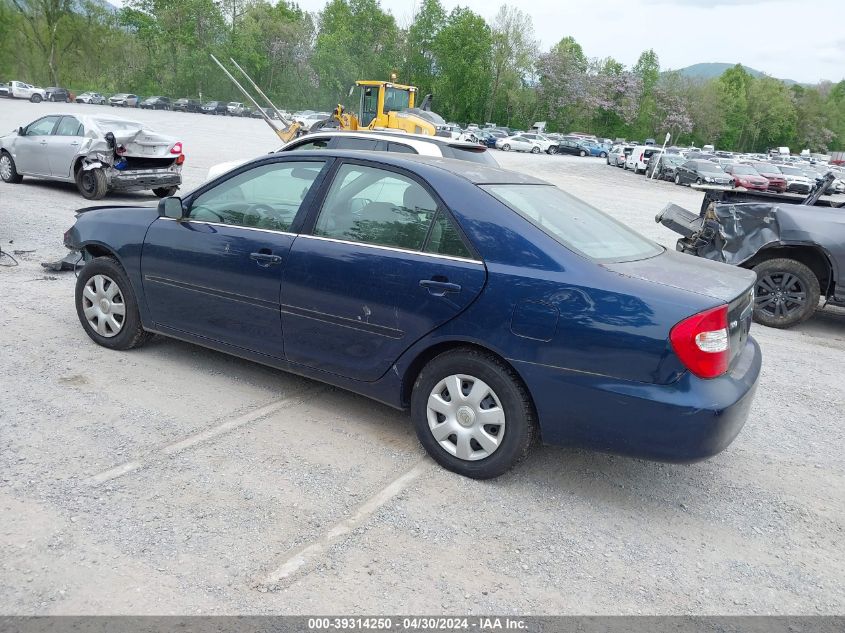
(222, 168)
(693, 274)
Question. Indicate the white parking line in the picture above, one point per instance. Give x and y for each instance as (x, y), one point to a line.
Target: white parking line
(198, 438)
(307, 553)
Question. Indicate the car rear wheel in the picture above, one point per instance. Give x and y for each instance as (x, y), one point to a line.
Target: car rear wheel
(787, 293)
(165, 192)
(8, 172)
(603, 155)
(91, 183)
(107, 307)
(36, 99)
(472, 414)
(553, 150)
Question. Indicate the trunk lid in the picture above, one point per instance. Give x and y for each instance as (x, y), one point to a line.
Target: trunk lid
(145, 143)
(723, 283)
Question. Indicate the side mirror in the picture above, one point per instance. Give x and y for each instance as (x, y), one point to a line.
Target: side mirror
(171, 207)
(21, 132)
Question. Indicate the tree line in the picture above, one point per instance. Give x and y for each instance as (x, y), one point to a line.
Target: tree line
(478, 71)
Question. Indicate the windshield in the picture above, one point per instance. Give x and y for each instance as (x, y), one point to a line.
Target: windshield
(744, 170)
(708, 167)
(792, 171)
(574, 223)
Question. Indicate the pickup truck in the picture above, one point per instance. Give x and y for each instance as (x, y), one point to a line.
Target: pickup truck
(234, 108)
(20, 90)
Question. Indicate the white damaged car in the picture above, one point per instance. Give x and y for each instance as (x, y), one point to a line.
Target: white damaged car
(98, 153)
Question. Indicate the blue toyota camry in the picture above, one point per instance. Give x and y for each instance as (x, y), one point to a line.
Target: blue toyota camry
(496, 307)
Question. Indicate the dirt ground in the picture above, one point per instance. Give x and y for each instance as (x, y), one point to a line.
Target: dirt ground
(173, 479)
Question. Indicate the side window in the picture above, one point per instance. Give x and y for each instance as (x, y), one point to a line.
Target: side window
(266, 197)
(444, 239)
(375, 206)
(401, 148)
(354, 143)
(68, 126)
(42, 127)
(317, 143)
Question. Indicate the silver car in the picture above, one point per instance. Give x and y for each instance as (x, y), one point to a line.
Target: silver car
(98, 153)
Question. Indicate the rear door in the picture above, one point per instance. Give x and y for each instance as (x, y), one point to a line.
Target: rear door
(382, 265)
(63, 146)
(217, 273)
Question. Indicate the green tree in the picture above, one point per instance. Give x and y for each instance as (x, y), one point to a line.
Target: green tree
(356, 40)
(733, 88)
(513, 52)
(419, 68)
(647, 69)
(462, 52)
(44, 23)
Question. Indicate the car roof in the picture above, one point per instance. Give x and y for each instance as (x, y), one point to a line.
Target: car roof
(385, 134)
(476, 173)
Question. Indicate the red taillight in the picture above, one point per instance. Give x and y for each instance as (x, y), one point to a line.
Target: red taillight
(176, 149)
(180, 159)
(641, 156)
(701, 342)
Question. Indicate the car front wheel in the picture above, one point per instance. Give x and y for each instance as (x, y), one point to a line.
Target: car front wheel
(582, 153)
(472, 414)
(8, 172)
(787, 293)
(107, 307)
(535, 150)
(35, 98)
(506, 148)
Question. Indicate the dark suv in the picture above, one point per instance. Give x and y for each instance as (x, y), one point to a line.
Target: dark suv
(187, 105)
(215, 107)
(156, 103)
(59, 94)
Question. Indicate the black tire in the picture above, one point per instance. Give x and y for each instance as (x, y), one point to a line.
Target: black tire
(131, 334)
(582, 153)
(506, 147)
(12, 176)
(787, 293)
(92, 183)
(36, 98)
(535, 150)
(164, 192)
(552, 150)
(698, 181)
(521, 427)
(603, 155)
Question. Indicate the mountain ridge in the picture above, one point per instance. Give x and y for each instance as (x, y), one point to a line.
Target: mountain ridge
(711, 70)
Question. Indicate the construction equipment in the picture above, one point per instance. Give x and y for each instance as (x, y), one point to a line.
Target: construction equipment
(291, 130)
(384, 105)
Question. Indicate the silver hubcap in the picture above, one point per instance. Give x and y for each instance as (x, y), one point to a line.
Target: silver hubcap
(466, 417)
(5, 167)
(103, 306)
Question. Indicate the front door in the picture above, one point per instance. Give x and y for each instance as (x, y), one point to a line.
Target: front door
(31, 154)
(217, 273)
(382, 267)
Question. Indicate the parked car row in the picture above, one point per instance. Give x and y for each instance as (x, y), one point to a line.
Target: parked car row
(748, 171)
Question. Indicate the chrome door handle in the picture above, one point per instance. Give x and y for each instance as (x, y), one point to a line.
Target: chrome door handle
(265, 260)
(439, 288)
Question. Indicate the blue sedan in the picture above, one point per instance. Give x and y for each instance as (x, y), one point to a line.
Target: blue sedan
(496, 307)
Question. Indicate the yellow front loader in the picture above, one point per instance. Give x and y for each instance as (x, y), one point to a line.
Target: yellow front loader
(384, 105)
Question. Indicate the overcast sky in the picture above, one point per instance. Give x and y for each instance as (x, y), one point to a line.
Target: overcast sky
(777, 37)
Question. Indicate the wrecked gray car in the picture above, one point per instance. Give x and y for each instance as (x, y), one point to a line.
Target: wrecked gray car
(99, 154)
(797, 250)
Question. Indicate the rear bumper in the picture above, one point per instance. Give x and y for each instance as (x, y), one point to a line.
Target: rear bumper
(144, 179)
(687, 421)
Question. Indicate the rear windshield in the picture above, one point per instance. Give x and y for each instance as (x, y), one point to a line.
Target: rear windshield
(474, 154)
(574, 223)
(744, 170)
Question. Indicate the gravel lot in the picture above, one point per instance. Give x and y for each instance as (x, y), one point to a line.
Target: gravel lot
(173, 479)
